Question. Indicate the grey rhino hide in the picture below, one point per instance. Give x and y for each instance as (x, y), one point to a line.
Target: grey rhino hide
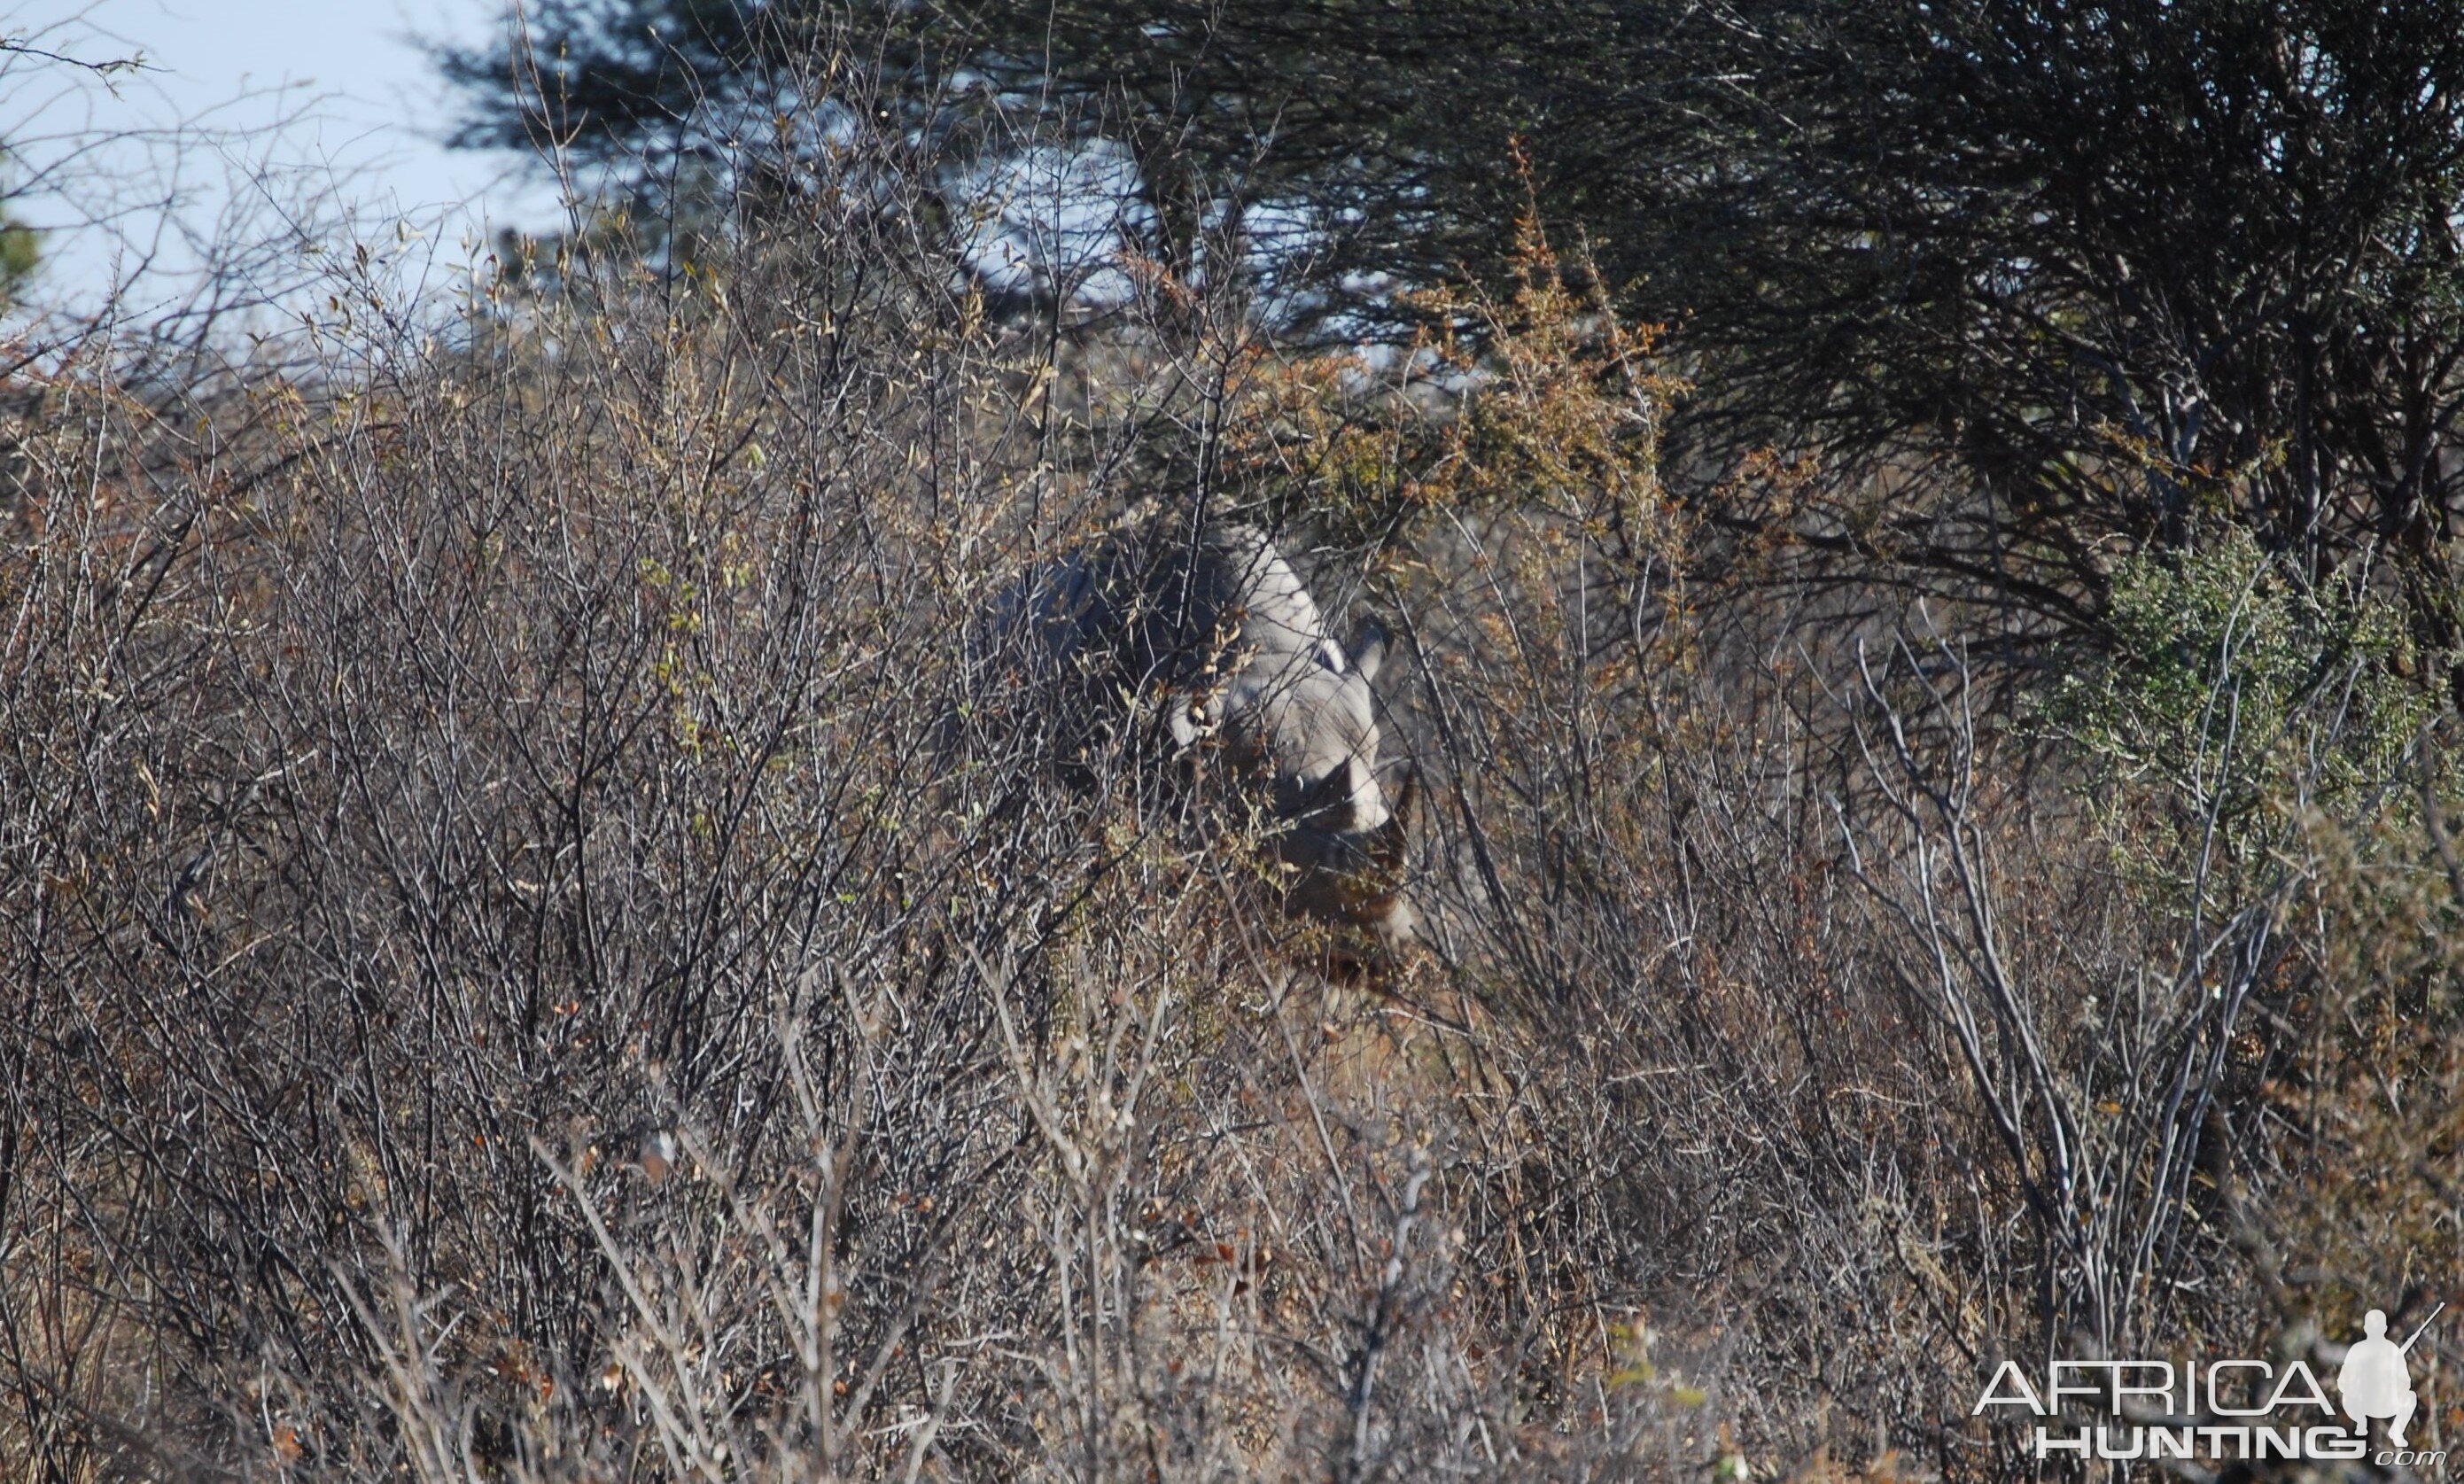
(1224, 629)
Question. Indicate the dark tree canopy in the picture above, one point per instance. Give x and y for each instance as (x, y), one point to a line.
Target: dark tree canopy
(2130, 266)
(2111, 269)
(1221, 107)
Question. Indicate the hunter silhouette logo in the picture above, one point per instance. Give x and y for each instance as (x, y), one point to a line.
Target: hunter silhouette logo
(2375, 1382)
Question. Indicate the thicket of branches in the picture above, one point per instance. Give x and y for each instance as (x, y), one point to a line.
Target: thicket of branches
(537, 950)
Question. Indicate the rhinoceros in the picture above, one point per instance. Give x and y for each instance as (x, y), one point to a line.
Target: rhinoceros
(1218, 632)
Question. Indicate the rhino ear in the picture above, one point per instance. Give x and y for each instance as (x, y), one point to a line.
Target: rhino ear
(1369, 648)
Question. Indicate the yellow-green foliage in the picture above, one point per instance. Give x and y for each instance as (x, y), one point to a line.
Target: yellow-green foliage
(1547, 402)
(21, 252)
(2228, 700)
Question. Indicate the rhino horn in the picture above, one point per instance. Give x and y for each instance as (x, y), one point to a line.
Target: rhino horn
(1369, 649)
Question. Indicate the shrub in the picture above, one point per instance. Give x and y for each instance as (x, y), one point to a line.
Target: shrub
(2228, 700)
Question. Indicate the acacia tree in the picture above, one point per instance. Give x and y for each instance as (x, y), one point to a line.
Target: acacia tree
(2126, 268)
(1323, 115)
(2101, 273)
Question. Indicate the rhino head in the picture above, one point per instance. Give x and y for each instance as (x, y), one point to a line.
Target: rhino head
(1224, 630)
(1297, 707)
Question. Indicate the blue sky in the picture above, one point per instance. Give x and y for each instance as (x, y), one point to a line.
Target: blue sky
(333, 95)
(245, 108)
